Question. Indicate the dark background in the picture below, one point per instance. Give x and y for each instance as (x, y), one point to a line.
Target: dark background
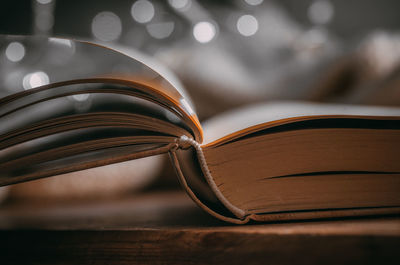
(352, 19)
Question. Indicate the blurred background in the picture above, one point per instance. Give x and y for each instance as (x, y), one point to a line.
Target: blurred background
(233, 53)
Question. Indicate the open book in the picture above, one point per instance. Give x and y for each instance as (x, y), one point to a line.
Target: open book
(267, 162)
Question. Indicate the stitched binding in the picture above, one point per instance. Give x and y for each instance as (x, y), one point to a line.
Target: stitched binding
(185, 142)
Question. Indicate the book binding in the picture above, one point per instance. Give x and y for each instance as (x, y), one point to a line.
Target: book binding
(239, 216)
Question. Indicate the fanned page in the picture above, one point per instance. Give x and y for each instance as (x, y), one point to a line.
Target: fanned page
(55, 62)
(73, 105)
(237, 123)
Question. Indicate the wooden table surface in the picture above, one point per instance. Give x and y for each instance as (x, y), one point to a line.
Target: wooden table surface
(167, 228)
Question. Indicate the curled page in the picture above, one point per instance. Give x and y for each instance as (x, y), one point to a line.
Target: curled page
(56, 62)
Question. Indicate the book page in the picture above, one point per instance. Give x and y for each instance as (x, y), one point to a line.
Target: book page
(53, 62)
(236, 123)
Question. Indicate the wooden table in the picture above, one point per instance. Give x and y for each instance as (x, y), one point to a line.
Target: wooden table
(167, 228)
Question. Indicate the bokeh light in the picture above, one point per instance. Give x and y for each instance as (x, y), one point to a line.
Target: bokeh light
(15, 51)
(247, 25)
(44, 21)
(321, 12)
(254, 2)
(80, 97)
(35, 79)
(180, 4)
(142, 11)
(160, 30)
(44, 2)
(62, 42)
(204, 31)
(106, 26)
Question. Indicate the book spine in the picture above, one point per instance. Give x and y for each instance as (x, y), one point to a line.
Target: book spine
(185, 142)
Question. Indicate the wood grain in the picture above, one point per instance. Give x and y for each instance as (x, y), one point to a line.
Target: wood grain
(167, 228)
